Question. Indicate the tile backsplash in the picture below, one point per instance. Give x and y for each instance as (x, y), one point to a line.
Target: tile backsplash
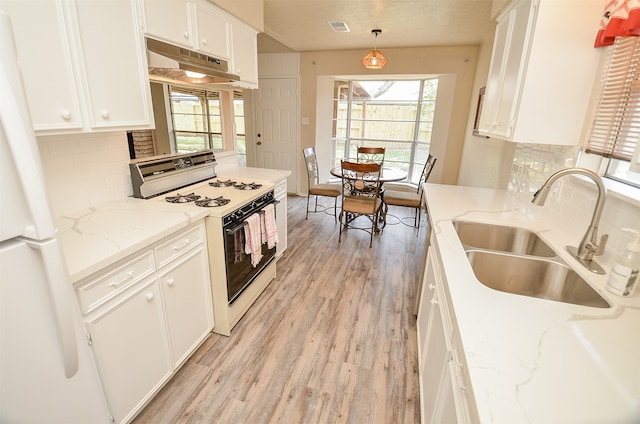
(85, 170)
(573, 199)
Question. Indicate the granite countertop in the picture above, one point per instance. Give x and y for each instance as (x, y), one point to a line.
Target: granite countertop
(532, 360)
(98, 237)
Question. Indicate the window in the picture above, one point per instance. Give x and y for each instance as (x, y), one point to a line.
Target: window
(616, 124)
(238, 116)
(394, 114)
(197, 120)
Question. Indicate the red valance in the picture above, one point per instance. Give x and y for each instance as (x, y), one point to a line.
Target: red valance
(621, 18)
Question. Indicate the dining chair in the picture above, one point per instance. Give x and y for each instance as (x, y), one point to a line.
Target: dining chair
(360, 195)
(315, 187)
(411, 199)
(371, 155)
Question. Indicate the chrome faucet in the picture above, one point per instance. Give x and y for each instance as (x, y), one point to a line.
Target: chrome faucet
(589, 245)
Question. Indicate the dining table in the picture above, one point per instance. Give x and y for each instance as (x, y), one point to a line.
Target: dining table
(386, 175)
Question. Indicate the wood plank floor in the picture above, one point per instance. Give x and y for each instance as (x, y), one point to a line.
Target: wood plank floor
(331, 340)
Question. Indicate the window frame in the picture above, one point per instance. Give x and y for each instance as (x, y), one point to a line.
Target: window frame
(417, 146)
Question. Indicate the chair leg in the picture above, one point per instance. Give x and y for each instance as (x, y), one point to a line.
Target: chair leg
(335, 208)
(307, 215)
(340, 231)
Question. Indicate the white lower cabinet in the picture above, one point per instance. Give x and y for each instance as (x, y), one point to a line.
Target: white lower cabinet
(129, 343)
(146, 315)
(444, 388)
(280, 194)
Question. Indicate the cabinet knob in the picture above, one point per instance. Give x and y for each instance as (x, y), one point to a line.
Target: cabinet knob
(66, 115)
(204, 41)
(170, 282)
(434, 301)
(105, 114)
(186, 34)
(432, 287)
(149, 297)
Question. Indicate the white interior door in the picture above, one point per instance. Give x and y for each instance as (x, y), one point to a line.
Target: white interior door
(277, 127)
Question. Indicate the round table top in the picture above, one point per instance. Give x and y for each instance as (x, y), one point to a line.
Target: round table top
(386, 174)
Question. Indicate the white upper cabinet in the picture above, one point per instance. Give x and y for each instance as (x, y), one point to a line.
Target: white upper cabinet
(213, 30)
(245, 54)
(170, 21)
(195, 24)
(81, 72)
(542, 71)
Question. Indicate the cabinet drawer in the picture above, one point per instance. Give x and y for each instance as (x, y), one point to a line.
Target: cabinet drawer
(179, 244)
(99, 290)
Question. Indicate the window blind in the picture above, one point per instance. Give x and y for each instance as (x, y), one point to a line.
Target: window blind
(616, 124)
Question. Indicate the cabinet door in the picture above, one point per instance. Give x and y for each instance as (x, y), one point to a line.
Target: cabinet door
(188, 305)
(507, 69)
(41, 36)
(129, 342)
(245, 53)
(280, 193)
(169, 20)
(433, 369)
(114, 64)
(213, 31)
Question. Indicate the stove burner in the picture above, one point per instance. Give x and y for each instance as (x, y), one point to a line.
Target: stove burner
(218, 183)
(212, 203)
(251, 186)
(182, 198)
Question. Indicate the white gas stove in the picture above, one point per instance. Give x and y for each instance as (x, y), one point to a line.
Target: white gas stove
(237, 277)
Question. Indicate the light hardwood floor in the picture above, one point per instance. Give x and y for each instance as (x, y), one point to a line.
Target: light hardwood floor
(331, 340)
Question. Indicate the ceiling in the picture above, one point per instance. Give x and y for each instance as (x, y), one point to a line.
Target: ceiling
(303, 25)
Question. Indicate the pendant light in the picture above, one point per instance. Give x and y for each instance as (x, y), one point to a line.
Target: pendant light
(374, 59)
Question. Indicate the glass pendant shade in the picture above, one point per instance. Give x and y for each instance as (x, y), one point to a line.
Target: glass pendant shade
(374, 60)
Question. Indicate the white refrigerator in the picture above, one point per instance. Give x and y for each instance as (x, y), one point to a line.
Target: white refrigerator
(47, 371)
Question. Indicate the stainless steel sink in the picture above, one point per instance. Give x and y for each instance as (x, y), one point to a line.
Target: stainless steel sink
(502, 238)
(534, 277)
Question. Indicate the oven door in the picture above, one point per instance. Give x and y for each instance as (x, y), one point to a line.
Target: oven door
(240, 272)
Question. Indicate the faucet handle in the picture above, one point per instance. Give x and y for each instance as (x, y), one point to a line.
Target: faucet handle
(597, 249)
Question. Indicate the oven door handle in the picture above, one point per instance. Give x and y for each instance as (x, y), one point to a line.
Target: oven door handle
(240, 226)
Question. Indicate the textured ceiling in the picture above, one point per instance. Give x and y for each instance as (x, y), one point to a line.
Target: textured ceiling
(303, 25)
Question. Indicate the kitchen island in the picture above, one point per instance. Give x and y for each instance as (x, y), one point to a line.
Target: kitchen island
(525, 359)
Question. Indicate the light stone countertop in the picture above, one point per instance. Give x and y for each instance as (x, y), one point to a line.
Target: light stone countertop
(532, 360)
(258, 174)
(98, 237)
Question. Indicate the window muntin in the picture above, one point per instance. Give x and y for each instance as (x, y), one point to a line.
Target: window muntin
(197, 119)
(395, 114)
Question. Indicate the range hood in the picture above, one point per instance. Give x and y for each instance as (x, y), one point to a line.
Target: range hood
(169, 64)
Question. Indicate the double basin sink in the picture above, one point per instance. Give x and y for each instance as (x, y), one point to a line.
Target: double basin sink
(516, 260)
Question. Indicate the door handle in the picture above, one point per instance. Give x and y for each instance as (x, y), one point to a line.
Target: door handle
(259, 143)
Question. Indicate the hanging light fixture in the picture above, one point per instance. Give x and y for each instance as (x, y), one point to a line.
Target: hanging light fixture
(374, 59)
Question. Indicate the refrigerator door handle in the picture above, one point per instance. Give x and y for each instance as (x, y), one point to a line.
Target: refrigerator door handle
(16, 123)
(61, 296)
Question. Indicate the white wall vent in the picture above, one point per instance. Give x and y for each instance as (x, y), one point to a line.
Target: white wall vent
(339, 26)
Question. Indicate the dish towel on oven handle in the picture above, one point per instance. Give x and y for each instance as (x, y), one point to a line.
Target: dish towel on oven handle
(269, 228)
(252, 236)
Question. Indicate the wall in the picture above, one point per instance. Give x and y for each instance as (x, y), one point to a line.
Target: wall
(83, 171)
(249, 11)
(458, 63)
(486, 162)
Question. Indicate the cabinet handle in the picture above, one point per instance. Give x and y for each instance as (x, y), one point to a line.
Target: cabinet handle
(149, 297)
(125, 278)
(458, 377)
(170, 282)
(105, 114)
(66, 115)
(181, 245)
